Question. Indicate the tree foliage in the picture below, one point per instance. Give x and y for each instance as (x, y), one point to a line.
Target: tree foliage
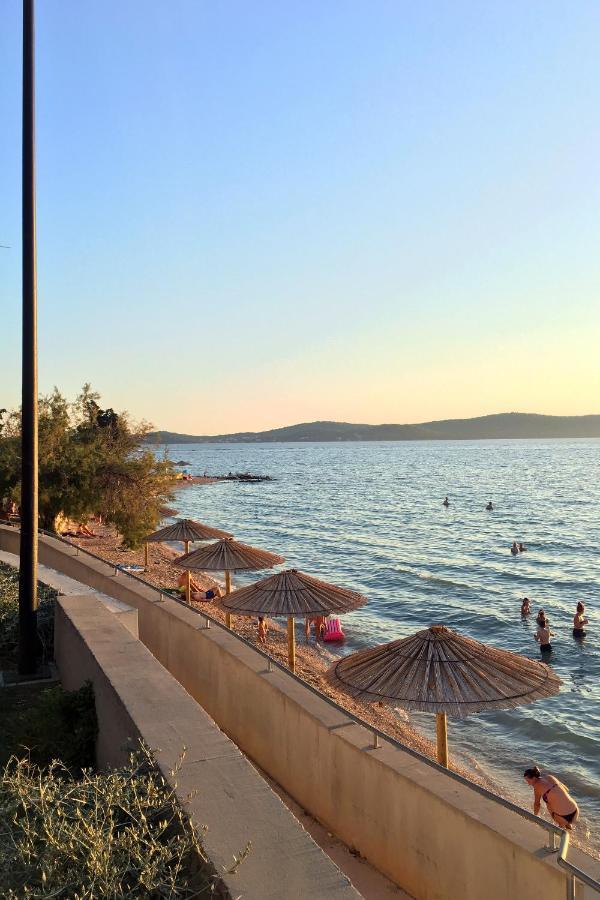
(92, 461)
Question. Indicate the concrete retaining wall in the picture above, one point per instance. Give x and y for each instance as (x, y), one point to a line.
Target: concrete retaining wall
(137, 698)
(434, 837)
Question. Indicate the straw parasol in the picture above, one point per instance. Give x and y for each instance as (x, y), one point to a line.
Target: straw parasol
(185, 530)
(228, 556)
(292, 594)
(440, 671)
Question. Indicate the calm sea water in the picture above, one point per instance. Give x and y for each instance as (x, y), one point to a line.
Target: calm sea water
(368, 516)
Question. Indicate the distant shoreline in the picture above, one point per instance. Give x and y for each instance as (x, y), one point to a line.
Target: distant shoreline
(503, 426)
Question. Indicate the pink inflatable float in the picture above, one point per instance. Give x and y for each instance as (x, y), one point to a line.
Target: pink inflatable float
(333, 631)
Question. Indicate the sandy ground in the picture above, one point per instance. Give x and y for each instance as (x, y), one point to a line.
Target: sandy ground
(312, 658)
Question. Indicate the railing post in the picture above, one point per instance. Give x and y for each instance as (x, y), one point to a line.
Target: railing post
(570, 886)
(375, 741)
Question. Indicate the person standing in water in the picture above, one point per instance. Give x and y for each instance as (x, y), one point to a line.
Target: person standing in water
(543, 634)
(555, 795)
(579, 620)
(514, 549)
(525, 607)
(446, 502)
(490, 506)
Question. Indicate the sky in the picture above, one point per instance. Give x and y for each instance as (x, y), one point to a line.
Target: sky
(257, 214)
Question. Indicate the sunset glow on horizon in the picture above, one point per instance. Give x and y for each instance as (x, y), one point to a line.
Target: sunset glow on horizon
(250, 217)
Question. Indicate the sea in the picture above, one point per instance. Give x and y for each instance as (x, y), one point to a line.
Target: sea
(369, 517)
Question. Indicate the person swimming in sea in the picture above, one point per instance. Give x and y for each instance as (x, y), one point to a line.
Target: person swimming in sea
(555, 795)
(543, 635)
(490, 506)
(446, 502)
(579, 620)
(514, 549)
(522, 548)
(525, 607)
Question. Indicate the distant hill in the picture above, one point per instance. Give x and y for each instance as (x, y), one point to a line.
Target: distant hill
(503, 425)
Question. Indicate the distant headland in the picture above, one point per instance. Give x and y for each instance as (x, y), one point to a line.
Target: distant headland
(509, 426)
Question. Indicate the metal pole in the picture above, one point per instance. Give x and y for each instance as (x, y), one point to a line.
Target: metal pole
(28, 601)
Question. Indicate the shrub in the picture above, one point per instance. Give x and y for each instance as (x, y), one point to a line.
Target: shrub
(120, 835)
(61, 725)
(9, 616)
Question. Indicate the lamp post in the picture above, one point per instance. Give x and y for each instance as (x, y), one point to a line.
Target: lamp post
(28, 600)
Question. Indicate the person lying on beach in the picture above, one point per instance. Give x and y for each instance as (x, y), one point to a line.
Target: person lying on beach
(514, 549)
(263, 630)
(543, 635)
(84, 531)
(579, 620)
(196, 592)
(555, 795)
(525, 607)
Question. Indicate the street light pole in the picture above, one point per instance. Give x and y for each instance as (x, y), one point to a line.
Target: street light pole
(28, 600)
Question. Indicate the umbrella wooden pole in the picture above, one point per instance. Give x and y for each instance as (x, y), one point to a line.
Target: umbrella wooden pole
(228, 591)
(442, 738)
(146, 553)
(291, 643)
(187, 546)
(188, 586)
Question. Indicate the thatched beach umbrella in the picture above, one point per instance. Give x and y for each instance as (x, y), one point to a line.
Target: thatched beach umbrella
(295, 595)
(228, 556)
(440, 671)
(187, 531)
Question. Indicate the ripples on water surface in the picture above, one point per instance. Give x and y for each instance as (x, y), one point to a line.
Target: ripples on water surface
(369, 517)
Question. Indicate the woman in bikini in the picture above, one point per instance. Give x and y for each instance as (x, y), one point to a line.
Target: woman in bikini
(555, 795)
(579, 620)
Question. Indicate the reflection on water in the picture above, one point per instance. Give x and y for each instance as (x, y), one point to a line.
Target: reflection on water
(370, 517)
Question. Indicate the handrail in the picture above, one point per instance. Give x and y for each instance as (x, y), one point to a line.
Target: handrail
(574, 871)
(552, 829)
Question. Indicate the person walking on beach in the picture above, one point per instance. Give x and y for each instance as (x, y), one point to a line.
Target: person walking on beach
(543, 635)
(579, 620)
(263, 630)
(555, 795)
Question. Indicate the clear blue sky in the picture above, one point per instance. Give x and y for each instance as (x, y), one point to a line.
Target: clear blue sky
(252, 214)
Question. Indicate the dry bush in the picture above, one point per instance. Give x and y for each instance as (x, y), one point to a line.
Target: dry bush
(117, 835)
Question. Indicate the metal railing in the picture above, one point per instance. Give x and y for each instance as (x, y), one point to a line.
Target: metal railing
(573, 873)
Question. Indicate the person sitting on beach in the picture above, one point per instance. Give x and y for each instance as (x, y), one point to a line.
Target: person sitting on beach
(84, 531)
(196, 592)
(263, 630)
(490, 506)
(514, 549)
(555, 795)
(542, 635)
(446, 502)
(579, 621)
(525, 607)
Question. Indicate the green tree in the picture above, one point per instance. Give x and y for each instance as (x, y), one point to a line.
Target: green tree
(92, 462)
